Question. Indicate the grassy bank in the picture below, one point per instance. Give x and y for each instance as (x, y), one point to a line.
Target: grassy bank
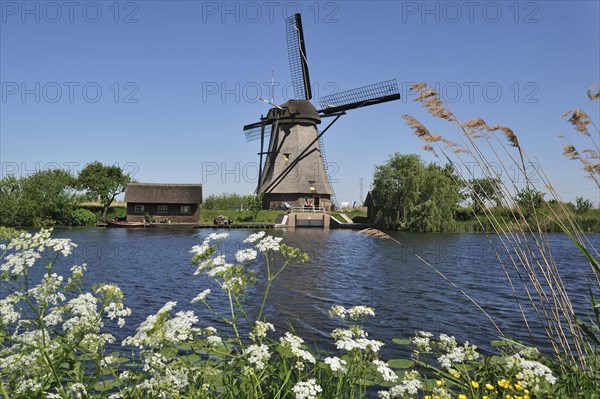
(207, 216)
(588, 221)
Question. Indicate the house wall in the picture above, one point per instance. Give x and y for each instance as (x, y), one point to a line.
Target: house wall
(173, 212)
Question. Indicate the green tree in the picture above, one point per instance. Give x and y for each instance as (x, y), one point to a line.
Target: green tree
(103, 183)
(529, 200)
(484, 190)
(224, 201)
(413, 196)
(582, 205)
(48, 197)
(255, 204)
(11, 192)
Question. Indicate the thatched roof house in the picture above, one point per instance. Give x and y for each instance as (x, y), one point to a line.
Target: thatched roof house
(174, 202)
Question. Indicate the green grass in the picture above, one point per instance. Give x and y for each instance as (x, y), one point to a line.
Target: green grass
(588, 221)
(357, 215)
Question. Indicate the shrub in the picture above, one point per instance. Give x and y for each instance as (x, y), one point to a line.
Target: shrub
(84, 217)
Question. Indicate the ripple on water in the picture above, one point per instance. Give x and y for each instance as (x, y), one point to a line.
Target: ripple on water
(152, 266)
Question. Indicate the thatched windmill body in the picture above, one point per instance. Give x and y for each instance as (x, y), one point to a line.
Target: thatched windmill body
(295, 170)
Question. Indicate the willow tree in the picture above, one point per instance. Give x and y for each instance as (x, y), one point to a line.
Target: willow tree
(410, 195)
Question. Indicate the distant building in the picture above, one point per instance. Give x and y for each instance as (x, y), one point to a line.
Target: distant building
(178, 203)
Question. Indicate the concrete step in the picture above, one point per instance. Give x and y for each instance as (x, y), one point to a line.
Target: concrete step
(346, 218)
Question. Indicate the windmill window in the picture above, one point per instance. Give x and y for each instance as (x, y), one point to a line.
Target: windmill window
(311, 185)
(139, 209)
(286, 156)
(163, 209)
(186, 209)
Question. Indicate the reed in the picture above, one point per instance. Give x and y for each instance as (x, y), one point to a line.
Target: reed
(496, 150)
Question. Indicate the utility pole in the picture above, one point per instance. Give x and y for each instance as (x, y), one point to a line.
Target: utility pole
(361, 189)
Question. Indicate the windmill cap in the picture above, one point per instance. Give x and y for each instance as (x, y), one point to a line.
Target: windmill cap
(301, 111)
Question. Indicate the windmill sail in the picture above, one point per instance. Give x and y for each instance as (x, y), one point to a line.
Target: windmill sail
(376, 93)
(297, 57)
(253, 132)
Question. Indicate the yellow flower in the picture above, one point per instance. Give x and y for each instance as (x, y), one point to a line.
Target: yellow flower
(504, 383)
(456, 375)
(461, 396)
(489, 387)
(439, 383)
(475, 384)
(486, 397)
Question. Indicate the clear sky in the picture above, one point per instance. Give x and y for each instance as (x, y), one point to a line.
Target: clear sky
(163, 88)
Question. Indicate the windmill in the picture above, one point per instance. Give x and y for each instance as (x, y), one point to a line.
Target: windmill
(295, 168)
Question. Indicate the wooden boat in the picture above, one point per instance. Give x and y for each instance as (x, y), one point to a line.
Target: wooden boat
(115, 223)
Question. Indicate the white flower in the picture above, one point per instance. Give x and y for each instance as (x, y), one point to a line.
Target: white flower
(354, 338)
(260, 330)
(357, 312)
(307, 389)
(84, 313)
(269, 243)
(77, 271)
(8, 314)
(62, 245)
(336, 364)
(386, 373)
(338, 311)
(422, 341)
(410, 384)
(258, 355)
(531, 371)
(200, 249)
(295, 344)
(216, 237)
(254, 237)
(245, 255)
(156, 330)
(201, 297)
(214, 340)
(448, 359)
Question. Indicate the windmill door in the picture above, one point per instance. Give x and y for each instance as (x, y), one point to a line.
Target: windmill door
(316, 201)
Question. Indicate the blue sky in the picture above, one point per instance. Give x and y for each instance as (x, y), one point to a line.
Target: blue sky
(163, 88)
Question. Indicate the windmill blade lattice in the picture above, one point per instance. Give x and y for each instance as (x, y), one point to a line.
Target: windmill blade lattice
(376, 93)
(252, 132)
(297, 57)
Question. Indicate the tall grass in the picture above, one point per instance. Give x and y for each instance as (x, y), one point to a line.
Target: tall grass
(497, 152)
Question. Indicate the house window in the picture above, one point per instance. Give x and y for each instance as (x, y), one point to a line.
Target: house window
(163, 209)
(186, 209)
(139, 209)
